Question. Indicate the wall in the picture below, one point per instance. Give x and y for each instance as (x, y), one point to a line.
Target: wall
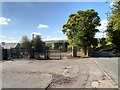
(93, 53)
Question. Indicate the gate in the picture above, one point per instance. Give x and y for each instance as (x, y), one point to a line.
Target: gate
(55, 54)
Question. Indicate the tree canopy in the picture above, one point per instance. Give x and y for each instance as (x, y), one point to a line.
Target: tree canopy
(113, 28)
(81, 28)
(26, 43)
(36, 42)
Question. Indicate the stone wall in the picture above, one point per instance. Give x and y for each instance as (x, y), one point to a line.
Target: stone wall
(93, 53)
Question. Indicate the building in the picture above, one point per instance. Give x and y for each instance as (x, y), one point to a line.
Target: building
(10, 50)
(56, 45)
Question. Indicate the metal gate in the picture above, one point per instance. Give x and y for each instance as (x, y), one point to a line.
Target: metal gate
(55, 54)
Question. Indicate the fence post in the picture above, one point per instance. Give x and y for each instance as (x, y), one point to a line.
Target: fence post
(47, 52)
(60, 53)
(4, 54)
(32, 53)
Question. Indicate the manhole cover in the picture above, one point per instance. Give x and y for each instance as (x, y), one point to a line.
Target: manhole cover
(95, 84)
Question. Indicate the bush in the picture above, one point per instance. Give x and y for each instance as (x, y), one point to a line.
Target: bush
(40, 56)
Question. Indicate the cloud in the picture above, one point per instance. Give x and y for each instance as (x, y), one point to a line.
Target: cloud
(57, 32)
(103, 26)
(42, 26)
(35, 33)
(8, 40)
(100, 35)
(1, 36)
(4, 21)
(48, 38)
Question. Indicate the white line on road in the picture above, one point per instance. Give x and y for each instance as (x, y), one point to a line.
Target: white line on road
(112, 81)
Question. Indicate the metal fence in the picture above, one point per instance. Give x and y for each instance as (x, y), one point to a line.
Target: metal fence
(11, 53)
(32, 53)
(55, 54)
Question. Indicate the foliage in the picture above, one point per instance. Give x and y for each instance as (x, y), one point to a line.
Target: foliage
(69, 48)
(103, 42)
(103, 45)
(62, 41)
(49, 44)
(26, 43)
(80, 28)
(39, 56)
(113, 28)
(37, 42)
(94, 43)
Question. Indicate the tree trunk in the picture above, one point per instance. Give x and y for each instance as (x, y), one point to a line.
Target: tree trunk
(85, 51)
(74, 52)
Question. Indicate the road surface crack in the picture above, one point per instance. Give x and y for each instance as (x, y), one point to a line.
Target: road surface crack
(86, 81)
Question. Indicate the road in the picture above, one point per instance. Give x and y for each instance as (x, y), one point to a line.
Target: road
(65, 73)
(110, 66)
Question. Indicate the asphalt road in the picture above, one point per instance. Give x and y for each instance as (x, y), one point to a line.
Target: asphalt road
(111, 66)
(65, 73)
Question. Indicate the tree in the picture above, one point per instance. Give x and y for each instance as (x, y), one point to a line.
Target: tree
(49, 44)
(113, 28)
(81, 28)
(26, 43)
(102, 44)
(94, 43)
(61, 41)
(37, 43)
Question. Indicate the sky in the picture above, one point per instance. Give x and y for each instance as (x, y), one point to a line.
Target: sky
(44, 18)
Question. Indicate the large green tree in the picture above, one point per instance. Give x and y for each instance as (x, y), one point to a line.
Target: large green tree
(81, 28)
(94, 43)
(26, 42)
(113, 28)
(37, 43)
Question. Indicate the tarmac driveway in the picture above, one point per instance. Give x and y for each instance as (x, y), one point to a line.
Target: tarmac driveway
(65, 73)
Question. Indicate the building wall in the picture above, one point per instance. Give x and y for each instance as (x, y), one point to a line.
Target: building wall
(57, 45)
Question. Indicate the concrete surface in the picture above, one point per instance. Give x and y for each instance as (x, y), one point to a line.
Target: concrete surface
(65, 73)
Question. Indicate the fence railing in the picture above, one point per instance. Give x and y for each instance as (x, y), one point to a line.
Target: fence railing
(32, 53)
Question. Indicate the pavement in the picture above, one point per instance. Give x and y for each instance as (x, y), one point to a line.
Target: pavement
(64, 73)
(110, 67)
